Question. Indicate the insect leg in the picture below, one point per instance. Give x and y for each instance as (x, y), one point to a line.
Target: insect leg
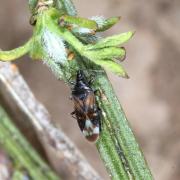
(98, 92)
(92, 78)
(73, 114)
(33, 20)
(100, 121)
(72, 83)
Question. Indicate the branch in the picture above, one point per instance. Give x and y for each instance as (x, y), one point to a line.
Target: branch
(21, 153)
(15, 53)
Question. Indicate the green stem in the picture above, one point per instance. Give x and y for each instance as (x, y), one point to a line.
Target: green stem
(110, 156)
(15, 53)
(117, 146)
(125, 142)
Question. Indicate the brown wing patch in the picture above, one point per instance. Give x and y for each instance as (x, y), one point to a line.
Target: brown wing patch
(78, 105)
(89, 102)
(79, 112)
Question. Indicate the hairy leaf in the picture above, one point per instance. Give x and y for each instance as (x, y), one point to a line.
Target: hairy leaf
(80, 22)
(104, 24)
(115, 40)
(54, 47)
(113, 67)
(106, 53)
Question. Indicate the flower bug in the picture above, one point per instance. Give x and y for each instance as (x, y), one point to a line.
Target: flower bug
(86, 110)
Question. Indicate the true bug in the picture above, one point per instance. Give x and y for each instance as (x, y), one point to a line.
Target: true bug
(86, 110)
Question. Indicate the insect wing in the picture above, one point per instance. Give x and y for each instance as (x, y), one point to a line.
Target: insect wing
(79, 112)
(88, 123)
(78, 105)
(91, 131)
(89, 102)
(92, 123)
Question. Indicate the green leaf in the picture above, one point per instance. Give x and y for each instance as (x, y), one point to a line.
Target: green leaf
(83, 32)
(113, 67)
(79, 21)
(53, 47)
(105, 24)
(54, 52)
(102, 24)
(115, 40)
(106, 53)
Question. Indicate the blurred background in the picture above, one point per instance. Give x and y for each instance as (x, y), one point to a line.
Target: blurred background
(150, 97)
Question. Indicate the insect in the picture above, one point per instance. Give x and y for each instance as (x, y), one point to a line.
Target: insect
(86, 110)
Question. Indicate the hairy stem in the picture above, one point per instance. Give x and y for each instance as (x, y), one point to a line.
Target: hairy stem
(15, 53)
